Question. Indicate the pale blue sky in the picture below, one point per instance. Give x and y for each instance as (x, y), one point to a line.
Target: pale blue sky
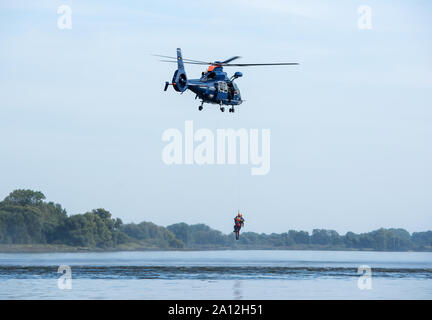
(82, 111)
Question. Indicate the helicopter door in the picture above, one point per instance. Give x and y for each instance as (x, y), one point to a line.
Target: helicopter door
(231, 91)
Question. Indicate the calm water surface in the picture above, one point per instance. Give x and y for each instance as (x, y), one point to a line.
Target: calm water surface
(217, 275)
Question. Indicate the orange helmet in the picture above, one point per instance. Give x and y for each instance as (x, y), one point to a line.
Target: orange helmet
(239, 214)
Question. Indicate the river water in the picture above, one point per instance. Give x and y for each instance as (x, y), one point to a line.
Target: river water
(252, 274)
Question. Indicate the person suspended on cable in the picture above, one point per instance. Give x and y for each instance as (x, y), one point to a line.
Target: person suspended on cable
(238, 223)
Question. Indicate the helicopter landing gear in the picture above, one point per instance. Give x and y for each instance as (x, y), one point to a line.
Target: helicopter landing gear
(231, 109)
(222, 109)
(201, 106)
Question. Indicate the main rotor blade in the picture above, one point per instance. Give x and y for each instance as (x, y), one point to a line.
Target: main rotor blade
(174, 61)
(184, 59)
(230, 59)
(260, 64)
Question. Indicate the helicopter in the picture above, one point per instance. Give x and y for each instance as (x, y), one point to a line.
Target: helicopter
(214, 86)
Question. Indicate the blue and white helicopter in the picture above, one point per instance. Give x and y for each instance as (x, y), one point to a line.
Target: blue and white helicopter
(214, 86)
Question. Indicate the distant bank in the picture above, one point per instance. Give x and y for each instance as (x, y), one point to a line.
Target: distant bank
(30, 224)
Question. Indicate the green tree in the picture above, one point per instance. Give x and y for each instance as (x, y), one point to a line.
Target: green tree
(299, 237)
(152, 235)
(181, 232)
(24, 197)
(422, 240)
(325, 237)
(351, 240)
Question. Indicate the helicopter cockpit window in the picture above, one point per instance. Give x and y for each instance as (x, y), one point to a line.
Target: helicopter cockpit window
(210, 75)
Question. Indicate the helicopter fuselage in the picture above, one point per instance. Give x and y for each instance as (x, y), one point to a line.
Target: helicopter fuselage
(215, 87)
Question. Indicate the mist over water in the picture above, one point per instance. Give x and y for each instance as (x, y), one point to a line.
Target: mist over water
(217, 275)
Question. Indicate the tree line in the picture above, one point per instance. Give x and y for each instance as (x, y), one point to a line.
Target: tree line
(26, 218)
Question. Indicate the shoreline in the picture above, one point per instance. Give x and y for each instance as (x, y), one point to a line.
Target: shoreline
(40, 248)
